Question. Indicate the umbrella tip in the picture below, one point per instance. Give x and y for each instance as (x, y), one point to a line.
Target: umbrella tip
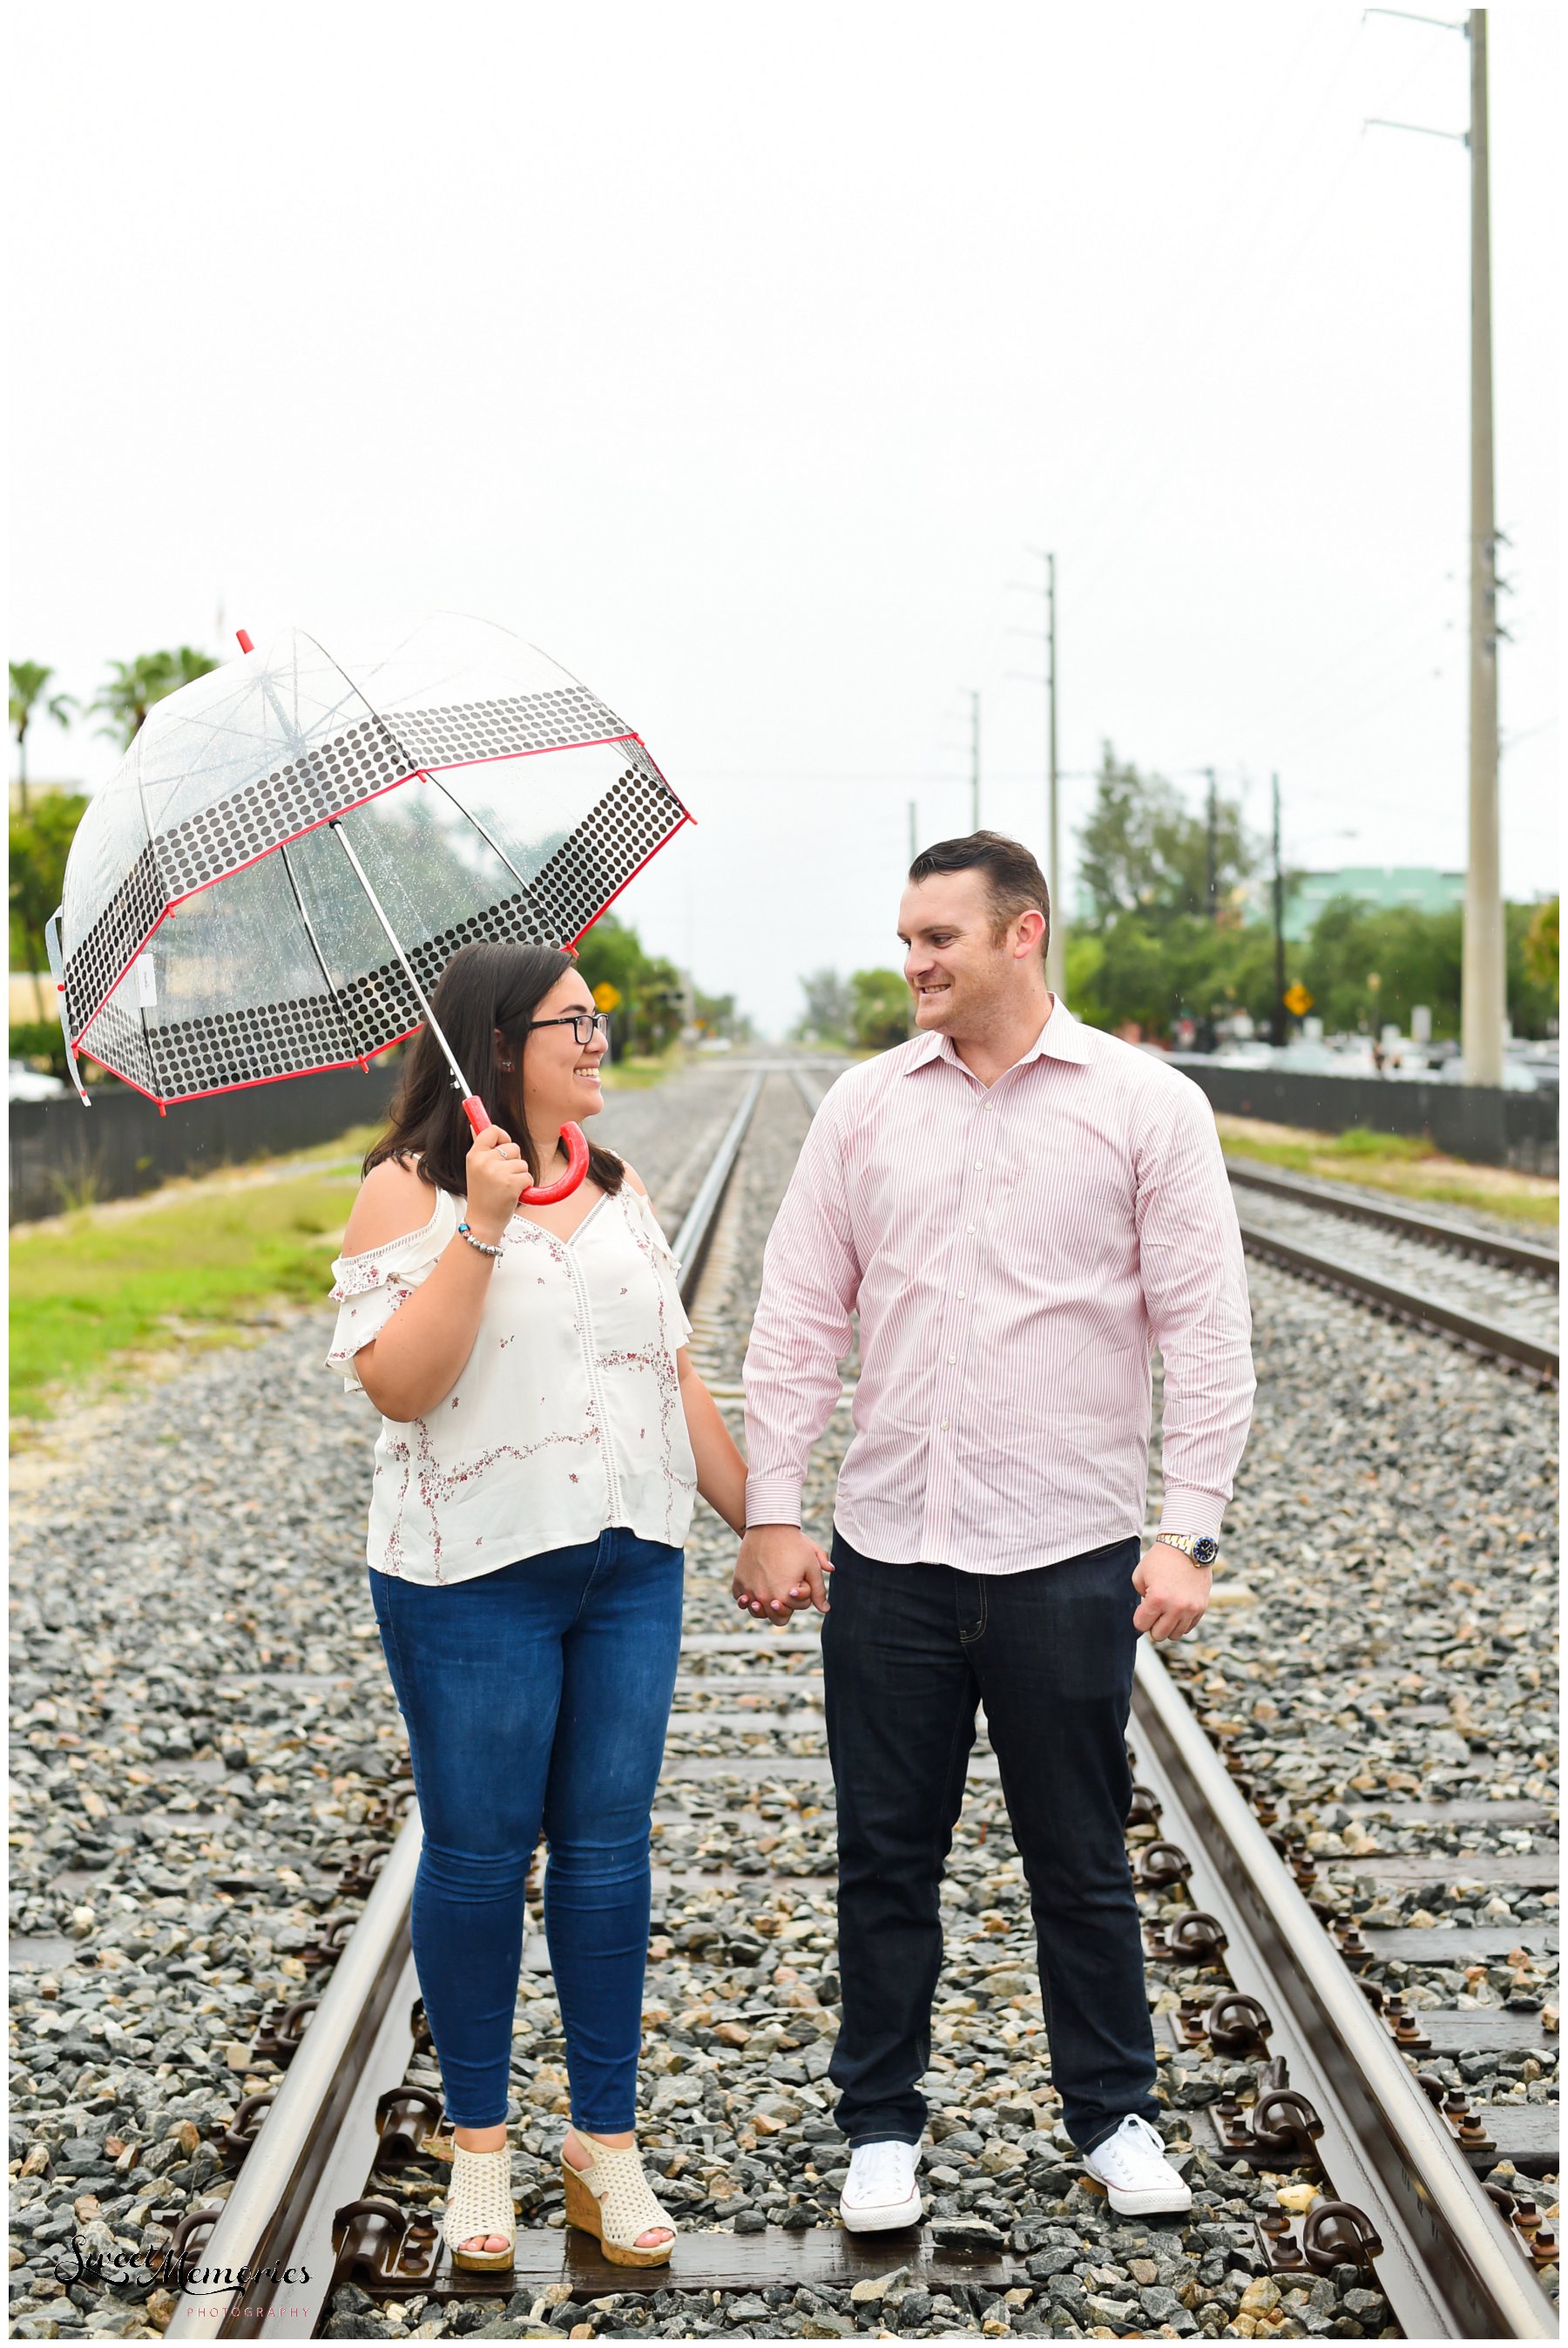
(243, 636)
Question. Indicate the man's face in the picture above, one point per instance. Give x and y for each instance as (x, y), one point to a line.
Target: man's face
(959, 972)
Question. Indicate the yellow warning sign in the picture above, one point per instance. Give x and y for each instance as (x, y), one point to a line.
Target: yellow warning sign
(606, 995)
(1297, 1002)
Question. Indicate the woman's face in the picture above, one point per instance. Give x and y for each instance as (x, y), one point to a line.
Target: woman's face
(561, 1076)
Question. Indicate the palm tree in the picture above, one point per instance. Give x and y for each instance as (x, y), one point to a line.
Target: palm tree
(28, 681)
(134, 686)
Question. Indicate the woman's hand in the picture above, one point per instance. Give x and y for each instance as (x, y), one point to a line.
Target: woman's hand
(497, 1175)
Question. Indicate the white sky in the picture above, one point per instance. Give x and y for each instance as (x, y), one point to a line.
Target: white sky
(736, 356)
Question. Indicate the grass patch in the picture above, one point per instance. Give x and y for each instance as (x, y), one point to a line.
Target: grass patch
(1403, 1164)
(193, 1261)
(637, 1072)
(139, 1277)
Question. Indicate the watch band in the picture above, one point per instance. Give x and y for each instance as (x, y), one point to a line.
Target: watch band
(1199, 1549)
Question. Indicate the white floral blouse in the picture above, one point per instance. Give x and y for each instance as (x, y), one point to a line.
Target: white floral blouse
(567, 1418)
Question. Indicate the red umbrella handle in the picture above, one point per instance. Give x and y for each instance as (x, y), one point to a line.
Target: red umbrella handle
(548, 1194)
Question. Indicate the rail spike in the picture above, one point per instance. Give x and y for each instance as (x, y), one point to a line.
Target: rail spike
(1194, 1938)
(233, 2142)
(279, 2031)
(1337, 2233)
(1238, 2024)
(405, 2117)
(1330, 2234)
(1161, 1866)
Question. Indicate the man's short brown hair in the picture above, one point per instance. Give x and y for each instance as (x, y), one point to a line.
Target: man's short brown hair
(1014, 882)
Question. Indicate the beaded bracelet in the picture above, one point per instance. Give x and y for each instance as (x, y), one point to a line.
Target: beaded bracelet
(483, 1245)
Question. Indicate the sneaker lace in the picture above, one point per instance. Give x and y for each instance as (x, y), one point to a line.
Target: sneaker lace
(879, 2167)
(1135, 2140)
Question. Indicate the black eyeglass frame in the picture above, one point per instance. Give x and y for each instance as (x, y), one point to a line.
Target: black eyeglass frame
(596, 1021)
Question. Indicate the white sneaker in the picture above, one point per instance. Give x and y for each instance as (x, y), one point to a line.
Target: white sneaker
(1136, 2174)
(880, 2191)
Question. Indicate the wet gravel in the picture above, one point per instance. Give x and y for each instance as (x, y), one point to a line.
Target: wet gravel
(186, 1814)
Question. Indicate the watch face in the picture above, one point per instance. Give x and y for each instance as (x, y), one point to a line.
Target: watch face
(1205, 1548)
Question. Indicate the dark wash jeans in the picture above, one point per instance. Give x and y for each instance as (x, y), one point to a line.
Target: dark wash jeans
(537, 1695)
(909, 1652)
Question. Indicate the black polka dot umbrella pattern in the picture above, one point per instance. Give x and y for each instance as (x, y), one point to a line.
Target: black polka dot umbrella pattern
(295, 845)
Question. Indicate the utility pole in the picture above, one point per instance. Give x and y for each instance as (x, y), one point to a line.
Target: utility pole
(1056, 950)
(913, 833)
(1483, 1001)
(1280, 1013)
(1214, 847)
(974, 762)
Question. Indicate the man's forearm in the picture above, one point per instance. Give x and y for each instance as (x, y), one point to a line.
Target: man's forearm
(789, 1404)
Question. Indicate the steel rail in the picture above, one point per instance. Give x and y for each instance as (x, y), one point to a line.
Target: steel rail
(318, 2143)
(1462, 1239)
(272, 2238)
(1426, 1312)
(697, 1225)
(1447, 2266)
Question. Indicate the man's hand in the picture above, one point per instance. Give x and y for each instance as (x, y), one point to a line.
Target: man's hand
(777, 1570)
(1174, 1593)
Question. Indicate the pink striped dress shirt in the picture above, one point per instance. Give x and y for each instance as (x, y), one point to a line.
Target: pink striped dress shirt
(1015, 1254)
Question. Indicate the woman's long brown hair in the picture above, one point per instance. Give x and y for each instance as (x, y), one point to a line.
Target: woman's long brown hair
(483, 988)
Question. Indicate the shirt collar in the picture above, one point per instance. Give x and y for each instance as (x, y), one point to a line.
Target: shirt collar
(1061, 1038)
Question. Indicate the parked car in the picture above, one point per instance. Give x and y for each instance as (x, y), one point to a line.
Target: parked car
(26, 1083)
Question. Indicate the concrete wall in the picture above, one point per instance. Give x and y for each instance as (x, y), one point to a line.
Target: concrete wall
(62, 1152)
(1479, 1122)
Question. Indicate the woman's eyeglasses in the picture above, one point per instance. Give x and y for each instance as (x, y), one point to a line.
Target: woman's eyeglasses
(585, 1024)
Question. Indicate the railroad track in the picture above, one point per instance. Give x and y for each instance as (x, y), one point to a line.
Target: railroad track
(1251, 1943)
(1419, 1269)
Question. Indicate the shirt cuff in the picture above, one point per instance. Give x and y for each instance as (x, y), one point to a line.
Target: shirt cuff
(773, 1499)
(1187, 1510)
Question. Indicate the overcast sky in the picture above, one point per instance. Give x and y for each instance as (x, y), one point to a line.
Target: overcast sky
(738, 357)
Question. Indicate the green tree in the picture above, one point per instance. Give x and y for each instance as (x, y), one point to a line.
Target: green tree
(652, 993)
(29, 684)
(39, 845)
(1416, 957)
(1541, 950)
(1531, 949)
(879, 1004)
(134, 686)
(1143, 851)
(716, 1015)
(827, 1018)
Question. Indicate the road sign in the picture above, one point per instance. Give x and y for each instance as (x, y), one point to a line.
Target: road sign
(1297, 1002)
(606, 995)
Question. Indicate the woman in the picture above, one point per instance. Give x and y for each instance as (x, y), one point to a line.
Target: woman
(542, 1434)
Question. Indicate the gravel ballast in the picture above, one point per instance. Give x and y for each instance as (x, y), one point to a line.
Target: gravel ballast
(206, 1739)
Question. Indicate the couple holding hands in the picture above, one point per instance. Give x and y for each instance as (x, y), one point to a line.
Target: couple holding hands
(1018, 1210)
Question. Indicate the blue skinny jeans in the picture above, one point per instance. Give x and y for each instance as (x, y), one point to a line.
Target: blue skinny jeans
(534, 1697)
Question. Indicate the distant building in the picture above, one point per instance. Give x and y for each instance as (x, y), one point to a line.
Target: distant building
(1386, 887)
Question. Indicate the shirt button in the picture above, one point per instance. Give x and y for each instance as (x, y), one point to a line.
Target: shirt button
(946, 1423)
(979, 1162)
(969, 1228)
(952, 1357)
(961, 1293)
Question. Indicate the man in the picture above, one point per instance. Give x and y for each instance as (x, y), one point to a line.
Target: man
(1019, 1207)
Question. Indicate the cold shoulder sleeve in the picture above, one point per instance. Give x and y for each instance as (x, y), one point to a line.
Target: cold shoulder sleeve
(368, 1289)
(646, 1223)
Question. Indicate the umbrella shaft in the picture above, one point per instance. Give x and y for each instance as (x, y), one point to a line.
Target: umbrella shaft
(458, 1078)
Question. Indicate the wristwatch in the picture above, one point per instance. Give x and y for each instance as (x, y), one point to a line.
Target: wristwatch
(1200, 1547)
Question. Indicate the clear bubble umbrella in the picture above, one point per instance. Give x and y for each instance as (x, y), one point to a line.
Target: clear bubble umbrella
(295, 845)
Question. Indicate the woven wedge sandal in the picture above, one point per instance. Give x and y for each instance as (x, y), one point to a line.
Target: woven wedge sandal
(613, 2200)
(479, 2202)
